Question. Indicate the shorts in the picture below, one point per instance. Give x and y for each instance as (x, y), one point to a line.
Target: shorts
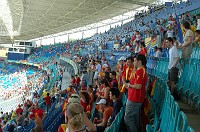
(173, 74)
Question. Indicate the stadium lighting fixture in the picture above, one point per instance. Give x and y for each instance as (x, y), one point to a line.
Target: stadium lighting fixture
(5, 15)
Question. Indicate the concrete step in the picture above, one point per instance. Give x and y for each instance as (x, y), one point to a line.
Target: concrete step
(192, 115)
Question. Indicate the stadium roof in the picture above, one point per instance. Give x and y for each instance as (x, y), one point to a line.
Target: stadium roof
(29, 19)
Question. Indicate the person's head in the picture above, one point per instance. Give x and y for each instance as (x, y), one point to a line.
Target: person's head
(74, 117)
(86, 97)
(137, 32)
(160, 49)
(142, 44)
(114, 93)
(35, 106)
(102, 104)
(140, 60)
(104, 83)
(90, 88)
(198, 16)
(155, 48)
(197, 33)
(169, 41)
(186, 25)
(113, 75)
(72, 77)
(48, 94)
(129, 61)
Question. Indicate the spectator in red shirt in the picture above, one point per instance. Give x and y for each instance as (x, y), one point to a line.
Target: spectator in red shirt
(73, 81)
(114, 82)
(19, 110)
(78, 80)
(143, 50)
(48, 101)
(136, 94)
(38, 115)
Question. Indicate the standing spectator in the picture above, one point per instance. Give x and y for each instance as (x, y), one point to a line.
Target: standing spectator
(170, 31)
(78, 80)
(19, 110)
(114, 82)
(143, 50)
(73, 81)
(188, 39)
(137, 47)
(128, 72)
(117, 104)
(48, 101)
(173, 60)
(136, 94)
(97, 70)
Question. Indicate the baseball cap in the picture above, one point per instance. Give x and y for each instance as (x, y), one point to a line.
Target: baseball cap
(102, 101)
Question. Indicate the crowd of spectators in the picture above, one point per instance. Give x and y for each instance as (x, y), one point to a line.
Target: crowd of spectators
(100, 87)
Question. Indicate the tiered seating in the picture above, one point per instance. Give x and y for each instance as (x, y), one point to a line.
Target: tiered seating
(167, 116)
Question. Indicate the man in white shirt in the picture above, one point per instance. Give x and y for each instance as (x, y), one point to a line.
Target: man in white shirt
(97, 70)
(173, 60)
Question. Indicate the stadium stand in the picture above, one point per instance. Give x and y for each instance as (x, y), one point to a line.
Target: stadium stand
(159, 110)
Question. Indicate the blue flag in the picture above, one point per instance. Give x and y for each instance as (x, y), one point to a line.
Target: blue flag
(180, 34)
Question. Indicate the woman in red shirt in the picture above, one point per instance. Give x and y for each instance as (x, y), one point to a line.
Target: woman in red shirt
(85, 99)
(143, 50)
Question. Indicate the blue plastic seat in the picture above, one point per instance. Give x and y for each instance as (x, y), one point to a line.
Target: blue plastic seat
(189, 129)
(182, 123)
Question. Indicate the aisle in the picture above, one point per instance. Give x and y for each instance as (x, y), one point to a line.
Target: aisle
(65, 80)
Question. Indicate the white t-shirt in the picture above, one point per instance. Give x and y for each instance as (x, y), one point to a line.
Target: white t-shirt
(173, 54)
(158, 54)
(98, 68)
(170, 33)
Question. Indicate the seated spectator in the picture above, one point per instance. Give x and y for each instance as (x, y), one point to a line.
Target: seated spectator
(117, 104)
(85, 100)
(107, 112)
(105, 89)
(91, 94)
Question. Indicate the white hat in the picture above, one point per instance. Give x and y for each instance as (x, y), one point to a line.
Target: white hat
(102, 101)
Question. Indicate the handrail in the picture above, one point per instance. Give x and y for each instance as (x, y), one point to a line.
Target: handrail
(72, 63)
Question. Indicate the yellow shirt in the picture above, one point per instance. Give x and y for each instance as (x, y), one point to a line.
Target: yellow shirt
(44, 94)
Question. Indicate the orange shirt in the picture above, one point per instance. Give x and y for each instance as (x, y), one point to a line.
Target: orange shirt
(107, 113)
(138, 95)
